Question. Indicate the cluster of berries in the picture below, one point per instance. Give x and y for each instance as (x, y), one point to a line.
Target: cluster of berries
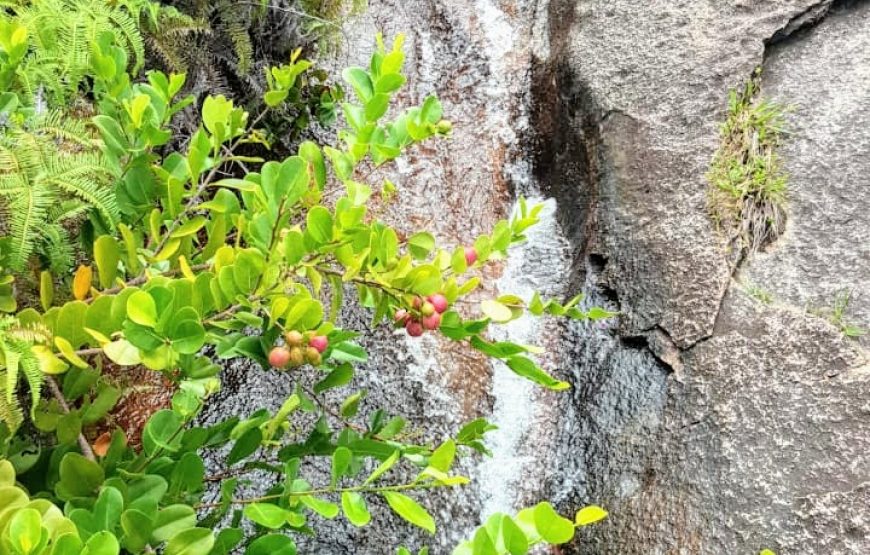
(425, 315)
(299, 349)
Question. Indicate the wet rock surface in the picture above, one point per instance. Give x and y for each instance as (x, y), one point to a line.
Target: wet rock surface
(706, 421)
(762, 439)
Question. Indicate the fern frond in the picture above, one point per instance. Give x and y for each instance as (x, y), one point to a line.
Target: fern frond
(16, 359)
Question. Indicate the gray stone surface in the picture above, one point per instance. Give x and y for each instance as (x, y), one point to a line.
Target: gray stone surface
(705, 421)
(763, 435)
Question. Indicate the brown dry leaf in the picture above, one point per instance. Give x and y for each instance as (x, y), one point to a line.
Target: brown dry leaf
(102, 443)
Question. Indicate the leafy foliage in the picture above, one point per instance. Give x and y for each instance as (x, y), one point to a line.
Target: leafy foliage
(196, 253)
(541, 524)
(47, 45)
(51, 172)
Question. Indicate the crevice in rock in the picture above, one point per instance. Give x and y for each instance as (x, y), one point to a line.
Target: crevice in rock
(802, 21)
(806, 21)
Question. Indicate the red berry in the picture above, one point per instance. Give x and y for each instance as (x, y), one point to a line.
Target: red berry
(428, 309)
(401, 316)
(319, 342)
(439, 301)
(414, 328)
(470, 255)
(279, 357)
(432, 322)
(417, 303)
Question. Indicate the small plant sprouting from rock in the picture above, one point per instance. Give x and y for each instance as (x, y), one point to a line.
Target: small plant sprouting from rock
(748, 187)
(838, 317)
(758, 293)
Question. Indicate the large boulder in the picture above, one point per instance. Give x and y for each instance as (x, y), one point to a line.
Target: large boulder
(760, 436)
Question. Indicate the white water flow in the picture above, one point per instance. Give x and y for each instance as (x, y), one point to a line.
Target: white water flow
(515, 467)
(520, 410)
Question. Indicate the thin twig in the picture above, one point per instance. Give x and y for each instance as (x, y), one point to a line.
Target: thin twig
(61, 400)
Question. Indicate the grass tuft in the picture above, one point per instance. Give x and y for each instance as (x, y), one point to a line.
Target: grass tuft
(748, 186)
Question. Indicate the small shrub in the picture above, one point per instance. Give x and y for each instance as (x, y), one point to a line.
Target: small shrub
(189, 253)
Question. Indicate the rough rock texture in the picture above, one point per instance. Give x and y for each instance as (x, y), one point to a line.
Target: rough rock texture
(763, 435)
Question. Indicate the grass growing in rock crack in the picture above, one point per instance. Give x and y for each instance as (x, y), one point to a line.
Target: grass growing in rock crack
(748, 186)
(758, 293)
(837, 315)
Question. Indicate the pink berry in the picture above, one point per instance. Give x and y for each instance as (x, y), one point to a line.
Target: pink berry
(432, 322)
(319, 342)
(401, 316)
(414, 328)
(279, 357)
(470, 255)
(417, 303)
(439, 301)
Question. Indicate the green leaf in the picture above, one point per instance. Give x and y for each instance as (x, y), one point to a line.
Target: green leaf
(142, 309)
(337, 378)
(319, 222)
(137, 527)
(266, 514)
(25, 532)
(193, 541)
(526, 368)
(512, 537)
(79, 477)
(320, 506)
(354, 506)
(189, 227)
(390, 82)
(102, 543)
(349, 352)
(172, 520)
(162, 432)
(410, 510)
(496, 311)
(590, 515)
(341, 459)
(442, 458)
(245, 445)
(421, 244)
(272, 544)
(107, 254)
(350, 405)
(482, 543)
(377, 106)
(187, 336)
(383, 467)
(359, 79)
(552, 527)
(122, 352)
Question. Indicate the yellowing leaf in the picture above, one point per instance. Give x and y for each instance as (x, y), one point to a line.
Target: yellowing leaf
(48, 362)
(122, 352)
(142, 309)
(82, 282)
(99, 337)
(185, 268)
(168, 250)
(66, 349)
(496, 311)
(590, 515)
(107, 254)
(46, 289)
